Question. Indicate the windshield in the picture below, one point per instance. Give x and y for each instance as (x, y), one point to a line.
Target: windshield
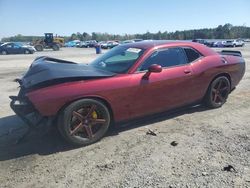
(118, 60)
(19, 44)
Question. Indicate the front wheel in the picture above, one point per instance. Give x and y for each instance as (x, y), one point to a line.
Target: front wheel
(218, 92)
(39, 47)
(4, 52)
(84, 122)
(55, 47)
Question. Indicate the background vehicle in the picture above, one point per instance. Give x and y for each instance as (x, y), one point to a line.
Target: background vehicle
(131, 41)
(72, 43)
(89, 44)
(15, 48)
(59, 40)
(109, 44)
(47, 42)
(234, 43)
(121, 85)
(219, 44)
(203, 41)
(137, 40)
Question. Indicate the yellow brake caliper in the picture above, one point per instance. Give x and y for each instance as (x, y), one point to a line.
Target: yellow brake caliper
(94, 115)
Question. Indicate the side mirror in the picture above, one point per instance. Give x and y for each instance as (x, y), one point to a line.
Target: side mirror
(153, 68)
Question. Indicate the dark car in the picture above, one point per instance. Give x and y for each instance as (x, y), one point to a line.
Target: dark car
(205, 42)
(88, 44)
(109, 44)
(15, 48)
(131, 41)
(129, 81)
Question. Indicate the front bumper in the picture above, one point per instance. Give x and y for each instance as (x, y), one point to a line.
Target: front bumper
(23, 108)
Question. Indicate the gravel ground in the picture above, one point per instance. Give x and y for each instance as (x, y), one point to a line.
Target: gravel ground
(193, 147)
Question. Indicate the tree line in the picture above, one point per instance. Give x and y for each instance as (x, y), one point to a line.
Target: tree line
(227, 31)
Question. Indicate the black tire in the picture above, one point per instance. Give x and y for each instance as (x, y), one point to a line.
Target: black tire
(217, 92)
(89, 130)
(55, 47)
(27, 52)
(39, 48)
(4, 52)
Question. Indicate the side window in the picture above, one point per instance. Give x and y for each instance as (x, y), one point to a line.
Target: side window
(166, 58)
(192, 54)
(9, 45)
(15, 46)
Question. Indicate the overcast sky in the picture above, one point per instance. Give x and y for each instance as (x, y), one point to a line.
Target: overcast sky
(35, 17)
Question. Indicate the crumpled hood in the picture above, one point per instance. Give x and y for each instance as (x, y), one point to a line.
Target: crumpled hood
(45, 70)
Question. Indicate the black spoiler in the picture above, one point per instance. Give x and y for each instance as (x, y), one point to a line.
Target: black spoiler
(231, 52)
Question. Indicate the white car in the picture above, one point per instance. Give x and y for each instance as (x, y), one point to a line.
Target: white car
(234, 43)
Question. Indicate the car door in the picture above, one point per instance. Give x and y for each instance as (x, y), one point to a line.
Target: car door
(165, 90)
(9, 48)
(17, 49)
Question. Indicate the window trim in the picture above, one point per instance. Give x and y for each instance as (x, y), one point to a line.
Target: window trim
(182, 47)
(201, 56)
(162, 49)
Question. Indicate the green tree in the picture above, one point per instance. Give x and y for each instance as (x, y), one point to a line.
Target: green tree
(73, 37)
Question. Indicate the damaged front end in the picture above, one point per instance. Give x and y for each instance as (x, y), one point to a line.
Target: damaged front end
(47, 72)
(24, 109)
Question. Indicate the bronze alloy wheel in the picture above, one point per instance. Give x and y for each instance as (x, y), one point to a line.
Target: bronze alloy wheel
(84, 121)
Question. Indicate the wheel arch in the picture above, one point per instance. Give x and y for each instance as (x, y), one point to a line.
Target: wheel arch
(222, 74)
(205, 99)
(4, 50)
(215, 77)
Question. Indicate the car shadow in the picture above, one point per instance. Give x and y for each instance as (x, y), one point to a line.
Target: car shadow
(48, 141)
(155, 118)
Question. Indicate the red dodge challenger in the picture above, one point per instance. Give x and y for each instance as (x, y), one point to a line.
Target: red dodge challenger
(130, 81)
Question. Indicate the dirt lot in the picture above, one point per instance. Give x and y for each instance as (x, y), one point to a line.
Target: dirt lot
(206, 143)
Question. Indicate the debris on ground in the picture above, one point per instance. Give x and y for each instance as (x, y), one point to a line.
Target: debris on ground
(204, 173)
(151, 132)
(229, 168)
(174, 143)
(105, 167)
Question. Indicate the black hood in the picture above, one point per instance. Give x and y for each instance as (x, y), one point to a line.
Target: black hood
(45, 71)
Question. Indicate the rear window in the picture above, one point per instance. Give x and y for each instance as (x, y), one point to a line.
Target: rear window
(192, 54)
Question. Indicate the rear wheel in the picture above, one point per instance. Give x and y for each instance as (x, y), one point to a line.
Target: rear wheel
(26, 52)
(217, 92)
(84, 122)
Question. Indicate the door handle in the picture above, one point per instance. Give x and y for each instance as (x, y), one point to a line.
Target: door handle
(187, 71)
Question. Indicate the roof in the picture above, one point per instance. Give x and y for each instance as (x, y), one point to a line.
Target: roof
(146, 44)
(168, 43)
(2, 44)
